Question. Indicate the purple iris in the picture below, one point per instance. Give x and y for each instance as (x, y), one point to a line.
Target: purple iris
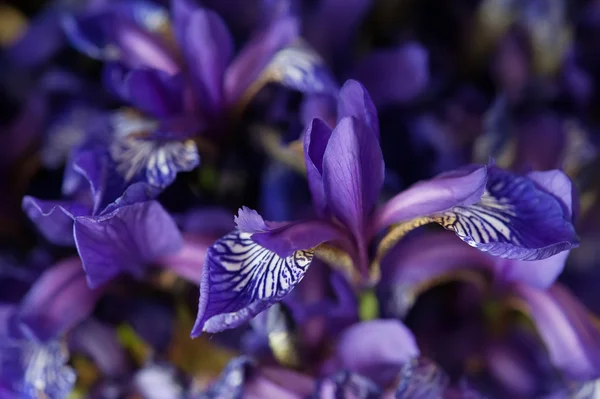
(178, 71)
(259, 263)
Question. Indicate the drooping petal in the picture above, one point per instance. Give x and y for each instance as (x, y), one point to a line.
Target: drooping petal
(54, 219)
(571, 335)
(248, 65)
(376, 349)
(412, 266)
(538, 273)
(58, 300)
(514, 219)
(208, 48)
(353, 173)
(316, 138)
(241, 278)
(345, 384)
(422, 379)
(354, 100)
(125, 240)
(395, 76)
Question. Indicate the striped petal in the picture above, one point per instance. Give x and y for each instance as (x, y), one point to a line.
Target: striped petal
(241, 278)
(515, 219)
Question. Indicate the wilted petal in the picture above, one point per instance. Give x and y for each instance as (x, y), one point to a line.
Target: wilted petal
(248, 65)
(376, 349)
(126, 240)
(395, 76)
(354, 100)
(54, 219)
(353, 173)
(208, 49)
(345, 384)
(422, 379)
(315, 142)
(514, 219)
(58, 300)
(241, 278)
(568, 330)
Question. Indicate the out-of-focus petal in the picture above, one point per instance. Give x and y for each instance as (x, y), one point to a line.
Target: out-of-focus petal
(230, 384)
(422, 379)
(376, 349)
(54, 219)
(568, 330)
(538, 273)
(158, 381)
(353, 173)
(241, 278)
(514, 219)
(248, 65)
(395, 76)
(320, 106)
(354, 100)
(189, 260)
(345, 384)
(58, 300)
(42, 39)
(99, 342)
(126, 240)
(208, 48)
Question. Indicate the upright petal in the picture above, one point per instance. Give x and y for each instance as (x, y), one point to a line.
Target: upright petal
(241, 278)
(571, 335)
(354, 100)
(395, 76)
(353, 173)
(208, 49)
(125, 240)
(515, 219)
(58, 300)
(54, 219)
(316, 138)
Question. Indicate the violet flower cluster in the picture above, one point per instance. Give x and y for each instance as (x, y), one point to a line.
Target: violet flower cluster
(299, 199)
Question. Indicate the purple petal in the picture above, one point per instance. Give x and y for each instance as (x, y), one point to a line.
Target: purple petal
(413, 265)
(248, 65)
(570, 334)
(395, 76)
(353, 173)
(271, 382)
(152, 91)
(559, 185)
(315, 142)
(345, 384)
(189, 260)
(126, 240)
(422, 379)
(208, 49)
(100, 343)
(207, 220)
(514, 219)
(355, 101)
(463, 186)
(249, 221)
(540, 142)
(538, 273)
(58, 300)
(232, 380)
(322, 106)
(241, 279)
(54, 219)
(376, 349)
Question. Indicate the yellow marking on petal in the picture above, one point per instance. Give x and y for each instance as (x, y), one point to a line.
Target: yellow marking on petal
(368, 305)
(492, 20)
(339, 260)
(12, 25)
(198, 357)
(87, 373)
(291, 154)
(135, 344)
(549, 54)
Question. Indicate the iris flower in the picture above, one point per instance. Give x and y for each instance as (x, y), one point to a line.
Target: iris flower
(260, 262)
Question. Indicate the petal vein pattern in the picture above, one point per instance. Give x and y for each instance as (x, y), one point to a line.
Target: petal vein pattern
(241, 278)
